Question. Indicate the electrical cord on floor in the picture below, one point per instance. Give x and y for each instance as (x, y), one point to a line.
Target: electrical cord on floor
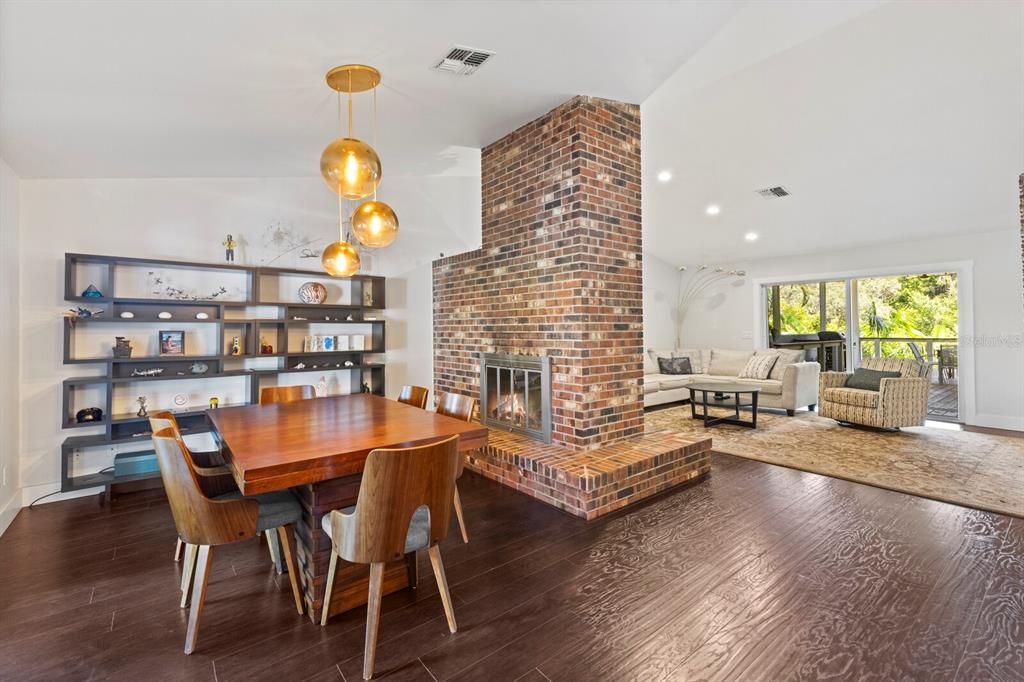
(33, 502)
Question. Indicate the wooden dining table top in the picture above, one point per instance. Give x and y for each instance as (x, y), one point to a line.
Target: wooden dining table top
(272, 447)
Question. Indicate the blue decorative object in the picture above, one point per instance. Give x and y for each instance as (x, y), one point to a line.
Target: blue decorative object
(92, 292)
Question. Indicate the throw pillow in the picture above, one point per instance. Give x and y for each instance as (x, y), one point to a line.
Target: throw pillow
(650, 364)
(696, 358)
(675, 365)
(728, 363)
(787, 357)
(869, 379)
(758, 367)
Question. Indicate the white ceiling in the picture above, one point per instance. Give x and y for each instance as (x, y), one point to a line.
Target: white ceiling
(236, 89)
(887, 122)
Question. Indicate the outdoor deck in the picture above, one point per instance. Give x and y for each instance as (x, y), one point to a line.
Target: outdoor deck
(942, 400)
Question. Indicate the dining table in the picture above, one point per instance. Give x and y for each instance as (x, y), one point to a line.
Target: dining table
(318, 448)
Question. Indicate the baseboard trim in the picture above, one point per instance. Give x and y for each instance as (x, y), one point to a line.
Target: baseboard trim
(997, 421)
(9, 511)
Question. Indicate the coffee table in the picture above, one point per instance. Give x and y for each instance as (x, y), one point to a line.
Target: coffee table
(735, 390)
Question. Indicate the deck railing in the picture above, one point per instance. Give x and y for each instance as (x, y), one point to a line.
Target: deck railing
(929, 343)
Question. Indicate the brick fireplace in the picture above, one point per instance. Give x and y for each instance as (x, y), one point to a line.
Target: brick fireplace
(559, 275)
(559, 271)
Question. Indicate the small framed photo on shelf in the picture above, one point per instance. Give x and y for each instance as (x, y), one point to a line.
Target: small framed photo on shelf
(172, 342)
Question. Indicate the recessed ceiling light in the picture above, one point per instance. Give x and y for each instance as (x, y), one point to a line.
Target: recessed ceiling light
(750, 236)
(713, 209)
(664, 176)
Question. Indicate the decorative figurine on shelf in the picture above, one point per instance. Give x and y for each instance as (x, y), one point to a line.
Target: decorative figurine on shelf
(214, 403)
(155, 372)
(122, 347)
(367, 296)
(236, 346)
(92, 292)
(127, 315)
(198, 368)
(265, 348)
(321, 388)
(84, 313)
(142, 406)
(301, 365)
(229, 249)
(312, 292)
(89, 414)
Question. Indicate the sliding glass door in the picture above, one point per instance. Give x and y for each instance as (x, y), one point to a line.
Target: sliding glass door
(839, 323)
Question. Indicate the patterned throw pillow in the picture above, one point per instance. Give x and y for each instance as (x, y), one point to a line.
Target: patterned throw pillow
(675, 365)
(758, 367)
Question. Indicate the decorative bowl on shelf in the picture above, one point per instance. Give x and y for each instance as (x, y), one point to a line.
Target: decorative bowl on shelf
(312, 292)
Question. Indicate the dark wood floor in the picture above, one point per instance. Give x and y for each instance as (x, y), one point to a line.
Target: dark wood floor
(758, 573)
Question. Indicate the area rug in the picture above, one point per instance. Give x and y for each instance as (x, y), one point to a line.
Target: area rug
(966, 468)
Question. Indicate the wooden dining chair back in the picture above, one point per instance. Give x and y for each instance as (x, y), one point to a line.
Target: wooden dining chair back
(404, 505)
(457, 406)
(395, 484)
(285, 394)
(414, 395)
(199, 519)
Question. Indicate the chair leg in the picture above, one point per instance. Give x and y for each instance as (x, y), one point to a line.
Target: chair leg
(412, 569)
(198, 597)
(284, 533)
(178, 546)
(188, 571)
(442, 586)
(373, 618)
(327, 589)
(275, 550)
(458, 514)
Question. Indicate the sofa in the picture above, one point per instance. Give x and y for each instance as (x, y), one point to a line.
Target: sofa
(898, 402)
(791, 384)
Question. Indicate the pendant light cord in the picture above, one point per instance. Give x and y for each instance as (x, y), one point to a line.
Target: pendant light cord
(375, 134)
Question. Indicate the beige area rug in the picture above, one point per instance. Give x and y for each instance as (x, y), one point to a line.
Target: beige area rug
(970, 469)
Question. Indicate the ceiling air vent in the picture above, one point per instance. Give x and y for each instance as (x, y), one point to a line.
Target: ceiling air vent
(462, 61)
(771, 192)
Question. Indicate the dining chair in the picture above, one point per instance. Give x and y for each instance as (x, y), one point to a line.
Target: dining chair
(404, 505)
(270, 395)
(460, 407)
(215, 477)
(206, 522)
(414, 395)
(285, 394)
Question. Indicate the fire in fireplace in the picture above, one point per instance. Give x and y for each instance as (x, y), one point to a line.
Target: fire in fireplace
(515, 393)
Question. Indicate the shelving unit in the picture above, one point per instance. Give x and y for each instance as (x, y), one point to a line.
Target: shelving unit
(352, 302)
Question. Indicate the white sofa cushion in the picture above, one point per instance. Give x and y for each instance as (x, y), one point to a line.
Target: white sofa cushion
(728, 362)
(651, 383)
(650, 364)
(696, 358)
(669, 381)
(767, 386)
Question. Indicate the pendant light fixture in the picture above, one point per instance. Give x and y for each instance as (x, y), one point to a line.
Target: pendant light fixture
(352, 169)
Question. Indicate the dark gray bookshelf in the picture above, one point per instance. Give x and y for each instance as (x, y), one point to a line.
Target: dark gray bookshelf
(229, 319)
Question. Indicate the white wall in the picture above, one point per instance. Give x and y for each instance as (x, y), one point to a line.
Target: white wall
(10, 497)
(725, 316)
(661, 287)
(186, 218)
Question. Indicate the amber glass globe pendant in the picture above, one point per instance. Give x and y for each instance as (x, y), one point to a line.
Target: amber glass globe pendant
(352, 169)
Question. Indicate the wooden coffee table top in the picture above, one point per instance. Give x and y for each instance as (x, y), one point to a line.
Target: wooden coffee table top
(272, 447)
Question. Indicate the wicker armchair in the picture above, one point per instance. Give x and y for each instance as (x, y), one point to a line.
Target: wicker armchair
(899, 402)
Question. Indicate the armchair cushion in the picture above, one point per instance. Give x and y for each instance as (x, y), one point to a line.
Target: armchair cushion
(868, 379)
(851, 396)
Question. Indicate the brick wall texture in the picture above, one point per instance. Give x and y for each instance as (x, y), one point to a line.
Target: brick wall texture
(559, 270)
